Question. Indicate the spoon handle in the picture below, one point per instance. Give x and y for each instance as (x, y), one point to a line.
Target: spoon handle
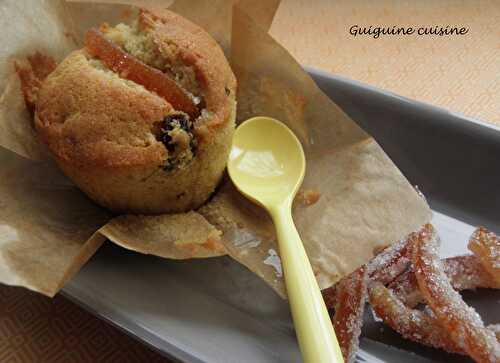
(313, 326)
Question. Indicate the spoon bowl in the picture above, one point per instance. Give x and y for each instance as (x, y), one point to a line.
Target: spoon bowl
(267, 165)
(267, 161)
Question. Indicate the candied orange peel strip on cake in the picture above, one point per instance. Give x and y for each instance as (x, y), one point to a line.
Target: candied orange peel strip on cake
(131, 68)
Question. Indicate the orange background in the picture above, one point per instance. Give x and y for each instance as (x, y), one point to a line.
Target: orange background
(461, 73)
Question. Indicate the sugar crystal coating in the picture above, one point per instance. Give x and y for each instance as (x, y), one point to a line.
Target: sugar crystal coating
(350, 297)
(461, 321)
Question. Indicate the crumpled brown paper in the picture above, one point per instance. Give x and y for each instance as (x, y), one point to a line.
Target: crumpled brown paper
(46, 225)
(48, 228)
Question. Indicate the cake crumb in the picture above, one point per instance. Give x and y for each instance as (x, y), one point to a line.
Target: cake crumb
(308, 197)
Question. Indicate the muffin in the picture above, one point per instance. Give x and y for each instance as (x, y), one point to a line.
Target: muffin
(142, 117)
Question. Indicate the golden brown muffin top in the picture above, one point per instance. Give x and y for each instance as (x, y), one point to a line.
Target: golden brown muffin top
(196, 48)
(92, 116)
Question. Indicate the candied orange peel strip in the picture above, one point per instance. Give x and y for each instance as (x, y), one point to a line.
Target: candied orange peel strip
(131, 68)
(384, 268)
(464, 273)
(350, 297)
(391, 262)
(329, 297)
(495, 328)
(414, 325)
(485, 245)
(462, 322)
(394, 304)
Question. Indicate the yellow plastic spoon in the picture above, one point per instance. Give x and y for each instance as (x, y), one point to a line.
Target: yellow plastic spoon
(267, 165)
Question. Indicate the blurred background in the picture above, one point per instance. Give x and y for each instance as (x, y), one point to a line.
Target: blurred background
(460, 73)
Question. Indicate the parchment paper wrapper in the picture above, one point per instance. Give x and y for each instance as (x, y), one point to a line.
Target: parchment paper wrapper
(49, 229)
